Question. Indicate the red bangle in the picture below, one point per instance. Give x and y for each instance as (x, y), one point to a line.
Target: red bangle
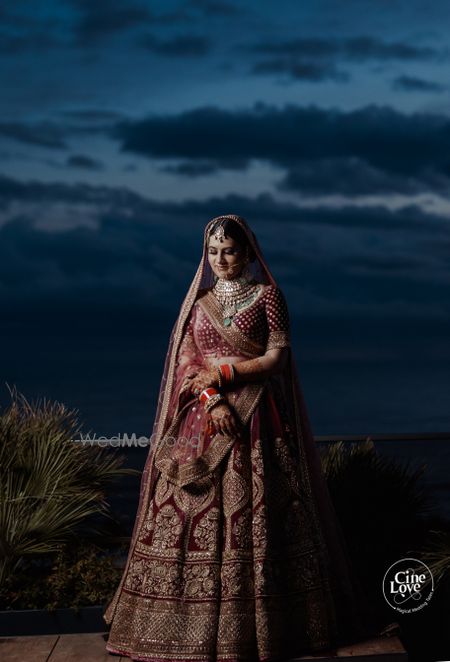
(227, 372)
(208, 393)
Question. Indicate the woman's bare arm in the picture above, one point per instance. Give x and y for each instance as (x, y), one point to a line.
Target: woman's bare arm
(274, 361)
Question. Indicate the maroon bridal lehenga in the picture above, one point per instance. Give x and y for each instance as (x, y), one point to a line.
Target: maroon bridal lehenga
(236, 553)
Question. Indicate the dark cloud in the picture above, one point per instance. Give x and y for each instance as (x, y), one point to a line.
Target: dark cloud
(126, 204)
(301, 70)
(371, 143)
(87, 311)
(92, 115)
(216, 7)
(45, 134)
(193, 169)
(88, 24)
(84, 162)
(179, 46)
(27, 31)
(130, 205)
(410, 218)
(96, 21)
(372, 150)
(144, 252)
(54, 134)
(12, 190)
(354, 48)
(351, 176)
(15, 44)
(316, 59)
(202, 168)
(414, 84)
(82, 262)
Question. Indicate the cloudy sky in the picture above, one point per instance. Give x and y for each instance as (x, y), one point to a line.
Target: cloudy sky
(126, 125)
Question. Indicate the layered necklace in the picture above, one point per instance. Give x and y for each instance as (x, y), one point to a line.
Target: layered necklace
(235, 294)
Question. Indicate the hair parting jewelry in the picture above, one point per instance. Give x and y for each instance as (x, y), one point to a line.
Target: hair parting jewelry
(219, 233)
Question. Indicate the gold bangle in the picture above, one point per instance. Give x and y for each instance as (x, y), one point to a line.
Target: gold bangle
(213, 400)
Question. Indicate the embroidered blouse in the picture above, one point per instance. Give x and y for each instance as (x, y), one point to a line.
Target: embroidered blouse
(265, 322)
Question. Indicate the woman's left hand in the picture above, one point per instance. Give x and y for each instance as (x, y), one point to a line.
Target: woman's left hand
(206, 377)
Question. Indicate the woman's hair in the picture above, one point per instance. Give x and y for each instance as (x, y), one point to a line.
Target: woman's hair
(234, 231)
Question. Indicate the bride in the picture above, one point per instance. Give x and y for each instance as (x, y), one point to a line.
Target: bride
(236, 552)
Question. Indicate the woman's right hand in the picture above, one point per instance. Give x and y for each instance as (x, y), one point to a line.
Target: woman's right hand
(224, 420)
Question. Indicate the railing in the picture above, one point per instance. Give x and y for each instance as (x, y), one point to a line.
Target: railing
(402, 436)
(322, 438)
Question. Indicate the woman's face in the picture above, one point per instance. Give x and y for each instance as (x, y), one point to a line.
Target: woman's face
(226, 257)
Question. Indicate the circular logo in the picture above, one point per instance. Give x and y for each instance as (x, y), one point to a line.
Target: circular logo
(408, 585)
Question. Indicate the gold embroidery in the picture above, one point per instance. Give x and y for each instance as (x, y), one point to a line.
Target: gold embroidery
(278, 339)
(163, 491)
(206, 531)
(195, 497)
(259, 528)
(232, 334)
(172, 604)
(202, 466)
(237, 580)
(168, 527)
(287, 463)
(242, 529)
(236, 491)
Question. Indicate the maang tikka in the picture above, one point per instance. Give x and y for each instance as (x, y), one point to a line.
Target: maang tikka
(219, 233)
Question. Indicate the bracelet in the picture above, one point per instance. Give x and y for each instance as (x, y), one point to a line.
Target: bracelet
(213, 400)
(226, 373)
(208, 393)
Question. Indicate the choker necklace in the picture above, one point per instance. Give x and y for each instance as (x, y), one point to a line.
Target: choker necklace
(235, 294)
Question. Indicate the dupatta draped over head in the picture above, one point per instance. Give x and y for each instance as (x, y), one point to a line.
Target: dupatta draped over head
(354, 616)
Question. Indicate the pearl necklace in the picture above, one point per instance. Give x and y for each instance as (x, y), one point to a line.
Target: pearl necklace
(235, 294)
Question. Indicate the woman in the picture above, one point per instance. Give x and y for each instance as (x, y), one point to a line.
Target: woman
(236, 553)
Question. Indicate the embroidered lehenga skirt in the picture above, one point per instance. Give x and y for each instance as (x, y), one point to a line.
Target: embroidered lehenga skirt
(229, 564)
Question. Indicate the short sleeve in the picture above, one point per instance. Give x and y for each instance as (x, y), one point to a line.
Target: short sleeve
(277, 318)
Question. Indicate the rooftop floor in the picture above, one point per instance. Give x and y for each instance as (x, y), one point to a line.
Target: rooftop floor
(91, 648)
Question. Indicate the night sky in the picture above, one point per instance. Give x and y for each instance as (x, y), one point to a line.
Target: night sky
(126, 126)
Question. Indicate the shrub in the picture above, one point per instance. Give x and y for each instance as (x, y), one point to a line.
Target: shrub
(52, 489)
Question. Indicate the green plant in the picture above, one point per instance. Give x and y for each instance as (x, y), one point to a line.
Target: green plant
(385, 508)
(436, 554)
(52, 489)
(77, 575)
